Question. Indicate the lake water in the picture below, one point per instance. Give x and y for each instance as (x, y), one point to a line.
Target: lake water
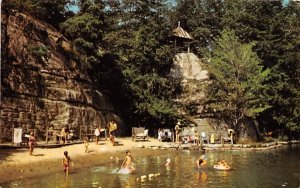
(268, 168)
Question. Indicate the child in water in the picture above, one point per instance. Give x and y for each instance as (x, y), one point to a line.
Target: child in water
(201, 162)
(66, 162)
(127, 163)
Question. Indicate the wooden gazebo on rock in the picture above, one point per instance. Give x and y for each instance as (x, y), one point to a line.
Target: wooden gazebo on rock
(181, 37)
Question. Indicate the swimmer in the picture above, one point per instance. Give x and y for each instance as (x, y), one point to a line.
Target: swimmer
(127, 163)
(201, 162)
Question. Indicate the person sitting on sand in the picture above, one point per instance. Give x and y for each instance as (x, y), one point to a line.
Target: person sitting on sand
(201, 162)
(127, 163)
(31, 142)
(66, 162)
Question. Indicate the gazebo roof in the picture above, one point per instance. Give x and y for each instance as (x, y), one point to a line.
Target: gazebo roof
(179, 32)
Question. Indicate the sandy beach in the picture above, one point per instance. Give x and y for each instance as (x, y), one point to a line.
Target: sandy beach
(17, 163)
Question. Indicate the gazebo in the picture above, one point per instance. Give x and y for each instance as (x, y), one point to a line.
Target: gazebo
(181, 37)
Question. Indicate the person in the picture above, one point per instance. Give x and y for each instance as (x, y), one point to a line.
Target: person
(86, 144)
(127, 163)
(97, 134)
(177, 130)
(66, 162)
(223, 163)
(201, 162)
(31, 143)
(112, 126)
(64, 134)
(168, 162)
(160, 133)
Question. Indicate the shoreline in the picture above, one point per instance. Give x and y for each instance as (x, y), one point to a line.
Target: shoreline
(16, 164)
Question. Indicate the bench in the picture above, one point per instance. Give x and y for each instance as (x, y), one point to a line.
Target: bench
(90, 133)
(139, 133)
(56, 136)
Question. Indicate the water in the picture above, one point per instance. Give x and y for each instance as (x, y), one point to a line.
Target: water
(270, 168)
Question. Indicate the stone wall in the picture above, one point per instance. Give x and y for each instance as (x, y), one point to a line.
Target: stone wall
(41, 84)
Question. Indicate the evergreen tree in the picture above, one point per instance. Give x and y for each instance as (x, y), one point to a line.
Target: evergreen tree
(138, 36)
(50, 11)
(237, 80)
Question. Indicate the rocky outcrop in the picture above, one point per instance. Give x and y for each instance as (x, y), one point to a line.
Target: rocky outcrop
(41, 84)
(188, 70)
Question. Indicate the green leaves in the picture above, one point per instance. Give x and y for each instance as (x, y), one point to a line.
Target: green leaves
(236, 89)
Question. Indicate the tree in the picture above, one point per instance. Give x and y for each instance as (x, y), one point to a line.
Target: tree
(236, 90)
(51, 11)
(138, 37)
(285, 80)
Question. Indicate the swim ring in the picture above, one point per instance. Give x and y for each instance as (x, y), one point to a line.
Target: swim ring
(221, 167)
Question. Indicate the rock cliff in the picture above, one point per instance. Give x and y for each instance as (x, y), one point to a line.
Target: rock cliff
(188, 69)
(41, 84)
(193, 78)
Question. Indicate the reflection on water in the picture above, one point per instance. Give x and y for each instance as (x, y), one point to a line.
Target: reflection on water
(271, 168)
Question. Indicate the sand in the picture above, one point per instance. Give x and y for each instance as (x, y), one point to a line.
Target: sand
(17, 164)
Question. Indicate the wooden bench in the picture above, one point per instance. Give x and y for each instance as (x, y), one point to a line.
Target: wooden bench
(55, 135)
(90, 133)
(139, 133)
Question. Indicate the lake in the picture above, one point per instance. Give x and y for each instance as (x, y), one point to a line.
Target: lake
(269, 168)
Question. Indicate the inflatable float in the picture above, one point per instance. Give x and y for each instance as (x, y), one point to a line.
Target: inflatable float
(221, 167)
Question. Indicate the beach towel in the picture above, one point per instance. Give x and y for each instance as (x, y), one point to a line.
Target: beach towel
(17, 135)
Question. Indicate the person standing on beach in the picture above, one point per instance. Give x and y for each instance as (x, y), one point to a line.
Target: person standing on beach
(112, 126)
(86, 144)
(66, 162)
(31, 142)
(177, 130)
(97, 134)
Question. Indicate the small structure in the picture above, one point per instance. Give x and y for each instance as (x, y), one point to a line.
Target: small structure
(181, 37)
(139, 133)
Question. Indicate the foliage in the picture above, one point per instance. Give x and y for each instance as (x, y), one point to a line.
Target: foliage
(51, 11)
(236, 88)
(40, 52)
(125, 46)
